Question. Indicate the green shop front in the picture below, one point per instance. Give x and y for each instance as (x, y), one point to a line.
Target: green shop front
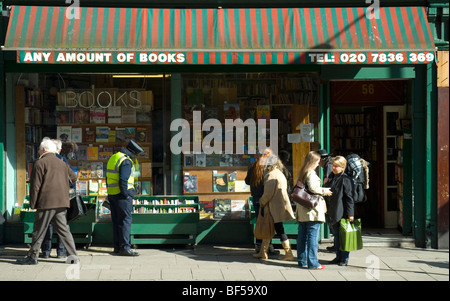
(344, 79)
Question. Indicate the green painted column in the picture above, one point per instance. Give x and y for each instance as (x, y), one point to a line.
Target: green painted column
(324, 141)
(176, 112)
(431, 158)
(419, 126)
(424, 143)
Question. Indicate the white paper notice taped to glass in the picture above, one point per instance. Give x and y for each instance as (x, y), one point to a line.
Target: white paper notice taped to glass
(307, 132)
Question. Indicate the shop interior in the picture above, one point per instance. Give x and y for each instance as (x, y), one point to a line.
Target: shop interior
(48, 104)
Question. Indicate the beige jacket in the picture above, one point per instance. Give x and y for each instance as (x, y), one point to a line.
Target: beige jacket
(276, 197)
(317, 214)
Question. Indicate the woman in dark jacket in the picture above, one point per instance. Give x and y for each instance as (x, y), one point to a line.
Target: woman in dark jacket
(340, 205)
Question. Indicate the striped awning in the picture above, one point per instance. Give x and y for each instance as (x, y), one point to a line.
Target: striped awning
(223, 36)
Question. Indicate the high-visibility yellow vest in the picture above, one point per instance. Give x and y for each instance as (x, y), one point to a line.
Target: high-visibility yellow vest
(112, 173)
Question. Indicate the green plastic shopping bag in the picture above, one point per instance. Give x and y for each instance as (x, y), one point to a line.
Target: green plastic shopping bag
(350, 235)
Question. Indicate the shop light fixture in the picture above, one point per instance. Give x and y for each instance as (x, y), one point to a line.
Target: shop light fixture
(140, 75)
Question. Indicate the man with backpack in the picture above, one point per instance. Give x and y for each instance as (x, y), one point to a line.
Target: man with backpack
(358, 170)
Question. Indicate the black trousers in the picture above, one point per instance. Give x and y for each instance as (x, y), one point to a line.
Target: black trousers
(121, 221)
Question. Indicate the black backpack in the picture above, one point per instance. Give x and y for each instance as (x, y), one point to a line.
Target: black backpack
(358, 170)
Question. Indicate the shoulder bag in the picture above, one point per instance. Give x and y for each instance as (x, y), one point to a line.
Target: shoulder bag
(264, 228)
(301, 196)
(77, 207)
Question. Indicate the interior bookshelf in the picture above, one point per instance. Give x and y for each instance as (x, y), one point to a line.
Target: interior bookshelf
(349, 133)
(219, 178)
(90, 133)
(402, 172)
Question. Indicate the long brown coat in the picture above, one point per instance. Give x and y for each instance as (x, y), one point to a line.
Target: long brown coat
(49, 183)
(275, 195)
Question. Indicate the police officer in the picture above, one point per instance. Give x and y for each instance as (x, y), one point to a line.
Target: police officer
(120, 188)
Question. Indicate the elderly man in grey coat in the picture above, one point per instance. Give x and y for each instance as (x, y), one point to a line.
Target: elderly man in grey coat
(49, 195)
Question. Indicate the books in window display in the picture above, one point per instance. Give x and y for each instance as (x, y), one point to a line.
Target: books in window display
(232, 177)
(263, 112)
(120, 135)
(82, 187)
(231, 111)
(226, 160)
(128, 115)
(92, 153)
(64, 133)
(213, 160)
(200, 160)
(130, 133)
(102, 134)
(81, 152)
(77, 135)
(206, 209)
(238, 209)
(220, 181)
(141, 134)
(241, 186)
(63, 115)
(103, 212)
(190, 183)
(102, 187)
(90, 135)
(93, 187)
(222, 209)
(189, 160)
(81, 116)
(90, 170)
(146, 188)
(33, 134)
(138, 187)
(112, 136)
(97, 115)
(115, 114)
(105, 153)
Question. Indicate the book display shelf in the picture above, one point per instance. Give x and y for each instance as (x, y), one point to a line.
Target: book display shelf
(165, 219)
(218, 156)
(82, 229)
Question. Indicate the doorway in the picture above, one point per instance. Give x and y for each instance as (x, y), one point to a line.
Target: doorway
(366, 120)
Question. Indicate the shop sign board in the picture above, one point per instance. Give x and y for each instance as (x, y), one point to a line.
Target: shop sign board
(225, 57)
(369, 92)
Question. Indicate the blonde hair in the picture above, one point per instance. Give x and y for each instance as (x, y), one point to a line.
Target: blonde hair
(310, 160)
(339, 161)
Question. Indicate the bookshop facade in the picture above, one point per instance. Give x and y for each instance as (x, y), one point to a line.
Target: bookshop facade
(204, 91)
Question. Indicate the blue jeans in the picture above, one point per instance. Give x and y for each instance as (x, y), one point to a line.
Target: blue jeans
(46, 246)
(308, 244)
(341, 255)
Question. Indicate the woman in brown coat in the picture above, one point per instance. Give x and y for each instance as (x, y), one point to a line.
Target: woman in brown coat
(276, 199)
